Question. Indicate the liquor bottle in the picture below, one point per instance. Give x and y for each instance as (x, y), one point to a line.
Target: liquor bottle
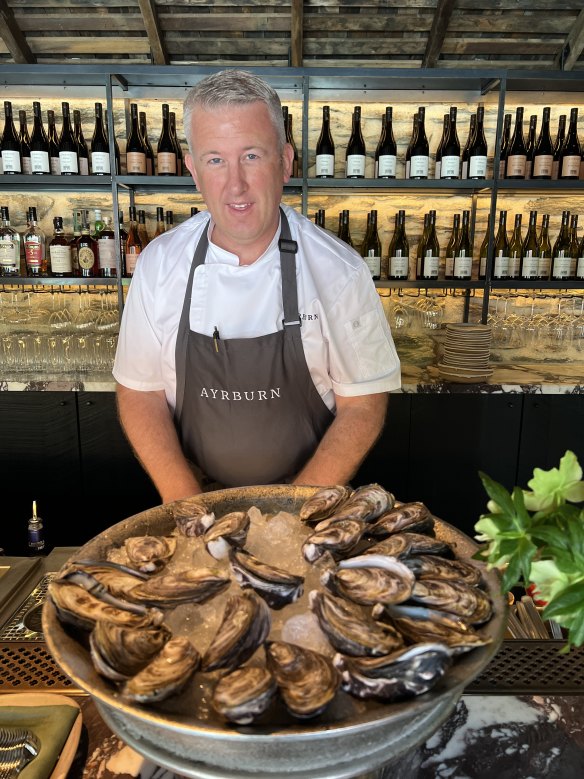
(35, 247)
(569, 162)
(292, 142)
(100, 152)
(530, 250)
(87, 252)
(504, 146)
(24, 144)
(135, 151)
(79, 215)
(543, 154)
(530, 146)
(106, 251)
(463, 250)
(150, 166)
(123, 242)
(9, 246)
(478, 151)
(355, 155)
(561, 251)
(142, 232)
(450, 163)
(484, 251)
(35, 532)
(501, 259)
(39, 144)
(325, 148)
(54, 160)
(558, 146)
(11, 157)
(516, 249)
(82, 153)
(345, 231)
(451, 247)
(68, 150)
(466, 151)
(169, 218)
(441, 146)
(517, 155)
(574, 245)
(133, 244)
(399, 252)
(420, 159)
(386, 152)
(60, 251)
(159, 221)
(408, 156)
(116, 147)
(371, 249)
(545, 250)
(430, 259)
(166, 152)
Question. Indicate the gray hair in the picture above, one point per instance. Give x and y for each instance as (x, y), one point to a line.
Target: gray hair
(233, 87)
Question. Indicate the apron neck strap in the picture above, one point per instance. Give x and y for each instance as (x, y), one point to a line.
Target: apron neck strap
(288, 249)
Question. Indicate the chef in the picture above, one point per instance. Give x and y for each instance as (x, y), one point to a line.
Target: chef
(253, 347)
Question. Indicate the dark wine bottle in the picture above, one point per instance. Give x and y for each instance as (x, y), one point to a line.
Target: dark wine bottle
(545, 250)
(466, 151)
(355, 155)
(150, 166)
(430, 259)
(441, 146)
(135, 151)
(478, 151)
(501, 260)
(325, 148)
(371, 249)
(450, 163)
(561, 251)
(558, 146)
(574, 245)
(169, 220)
(82, 152)
(399, 251)
(484, 251)
(166, 151)
(420, 246)
(530, 250)
(580, 263)
(24, 139)
(517, 156)
(386, 152)
(451, 248)
(408, 156)
(516, 249)
(504, 146)
(176, 144)
(345, 231)
(569, 167)
(100, 151)
(287, 118)
(530, 146)
(116, 147)
(11, 156)
(320, 218)
(543, 154)
(463, 251)
(39, 144)
(420, 157)
(68, 154)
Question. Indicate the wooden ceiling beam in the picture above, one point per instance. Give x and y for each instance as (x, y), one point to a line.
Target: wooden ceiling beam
(13, 37)
(572, 48)
(148, 10)
(438, 31)
(296, 33)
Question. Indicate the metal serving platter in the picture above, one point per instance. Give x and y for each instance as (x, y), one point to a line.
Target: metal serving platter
(351, 737)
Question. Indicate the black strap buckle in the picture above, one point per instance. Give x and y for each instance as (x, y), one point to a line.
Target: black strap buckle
(287, 245)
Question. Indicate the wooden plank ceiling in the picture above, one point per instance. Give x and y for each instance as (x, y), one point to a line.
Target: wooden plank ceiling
(541, 34)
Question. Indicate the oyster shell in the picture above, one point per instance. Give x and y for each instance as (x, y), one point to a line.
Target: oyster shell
(366, 504)
(118, 580)
(436, 567)
(144, 553)
(275, 585)
(467, 602)
(413, 517)
(94, 585)
(371, 579)
(165, 675)
(403, 545)
(323, 503)
(244, 694)
(336, 536)
(119, 652)
(227, 532)
(192, 517)
(188, 586)
(245, 626)
(306, 679)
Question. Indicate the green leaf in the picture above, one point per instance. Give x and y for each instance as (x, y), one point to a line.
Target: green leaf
(556, 486)
(498, 493)
(568, 602)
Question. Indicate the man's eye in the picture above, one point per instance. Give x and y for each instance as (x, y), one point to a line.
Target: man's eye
(251, 156)
(215, 161)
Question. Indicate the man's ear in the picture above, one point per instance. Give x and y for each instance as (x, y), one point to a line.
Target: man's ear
(190, 163)
(287, 161)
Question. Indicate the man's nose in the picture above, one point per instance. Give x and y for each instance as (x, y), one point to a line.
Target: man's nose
(236, 180)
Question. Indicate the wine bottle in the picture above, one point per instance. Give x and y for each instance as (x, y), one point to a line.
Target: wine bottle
(54, 160)
(355, 156)
(386, 152)
(530, 250)
(123, 233)
(24, 144)
(39, 144)
(68, 154)
(176, 143)
(169, 218)
(292, 142)
(420, 158)
(194, 210)
(87, 252)
(574, 245)
(135, 152)
(150, 166)
(530, 146)
(517, 155)
(504, 146)
(558, 146)
(166, 151)
(561, 251)
(478, 150)
(501, 263)
(569, 162)
(484, 251)
(441, 146)
(516, 249)
(142, 232)
(399, 252)
(159, 221)
(325, 148)
(11, 157)
(408, 157)
(451, 247)
(430, 259)
(371, 249)
(82, 152)
(545, 250)
(320, 218)
(9, 246)
(35, 255)
(78, 216)
(463, 250)
(466, 151)
(543, 154)
(100, 150)
(106, 251)
(580, 263)
(116, 147)
(345, 230)
(450, 163)
(133, 244)
(60, 251)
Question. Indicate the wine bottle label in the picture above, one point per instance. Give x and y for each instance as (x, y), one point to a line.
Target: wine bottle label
(571, 166)
(419, 166)
(514, 266)
(437, 169)
(106, 253)
(462, 266)
(39, 161)
(132, 254)
(11, 161)
(355, 165)
(55, 166)
(464, 171)
(69, 162)
(430, 264)
(374, 264)
(516, 165)
(8, 254)
(501, 269)
(60, 259)
(399, 266)
(542, 165)
(530, 268)
(573, 263)
(26, 166)
(100, 162)
(449, 166)
(167, 162)
(449, 267)
(386, 166)
(325, 165)
(33, 252)
(580, 268)
(477, 167)
(136, 162)
(561, 266)
(85, 258)
(544, 267)
(84, 166)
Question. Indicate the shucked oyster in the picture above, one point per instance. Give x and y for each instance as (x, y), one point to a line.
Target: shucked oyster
(167, 674)
(227, 532)
(338, 537)
(470, 603)
(192, 517)
(275, 585)
(188, 586)
(307, 680)
(245, 626)
(413, 517)
(144, 553)
(244, 694)
(323, 503)
(119, 652)
(436, 567)
(371, 579)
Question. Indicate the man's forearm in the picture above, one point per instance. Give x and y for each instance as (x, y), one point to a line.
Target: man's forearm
(148, 424)
(356, 427)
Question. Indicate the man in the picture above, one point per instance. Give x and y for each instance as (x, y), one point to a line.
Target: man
(253, 343)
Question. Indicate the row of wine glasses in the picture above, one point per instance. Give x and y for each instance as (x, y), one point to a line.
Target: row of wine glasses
(57, 311)
(57, 353)
(409, 314)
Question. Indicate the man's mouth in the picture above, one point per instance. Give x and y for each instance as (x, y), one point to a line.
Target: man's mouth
(239, 206)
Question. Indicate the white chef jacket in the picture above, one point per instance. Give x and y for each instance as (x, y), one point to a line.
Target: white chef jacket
(347, 341)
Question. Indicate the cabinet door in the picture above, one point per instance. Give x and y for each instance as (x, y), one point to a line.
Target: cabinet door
(453, 437)
(39, 456)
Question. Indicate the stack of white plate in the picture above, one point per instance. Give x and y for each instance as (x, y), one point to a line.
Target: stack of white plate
(466, 353)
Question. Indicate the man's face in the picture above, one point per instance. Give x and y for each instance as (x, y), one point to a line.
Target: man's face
(240, 173)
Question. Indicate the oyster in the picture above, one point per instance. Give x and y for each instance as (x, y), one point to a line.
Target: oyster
(189, 586)
(118, 580)
(407, 672)
(351, 631)
(403, 545)
(336, 536)
(227, 532)
(144, 553)
(192, 517)
(366, 504)
(467, 602)
(275, 585)
(94, 585)
(119, 652)
(306, 679)
(323, 503)
(167, 674)
(244, 694)
(245, 626)
(435, 567)
(370, 579)
(413, 517)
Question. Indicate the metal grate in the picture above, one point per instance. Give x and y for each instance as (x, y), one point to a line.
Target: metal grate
(26, 667)
(532, 668)
(25, 623)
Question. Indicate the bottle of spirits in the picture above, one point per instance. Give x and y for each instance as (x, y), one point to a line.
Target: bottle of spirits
(98, 224)
(100, 149)
(123, 242)
(39, 144)
(386, 152)
(463, 251)
(11, 156)
(68, 149)
(60, 251)
(450, 163)
(106, 251)
(399, 252)
(325, 148)
(355, 155)
(543, 154)
(87, 252)
(133, 244)
(166, 151)
(530, 250)
(371, 249)
(150, 166)
(9, 246)
(501, 259)
(35, 256)
(24, 144)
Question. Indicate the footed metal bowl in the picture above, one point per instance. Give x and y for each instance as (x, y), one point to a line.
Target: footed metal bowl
(350, 738)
